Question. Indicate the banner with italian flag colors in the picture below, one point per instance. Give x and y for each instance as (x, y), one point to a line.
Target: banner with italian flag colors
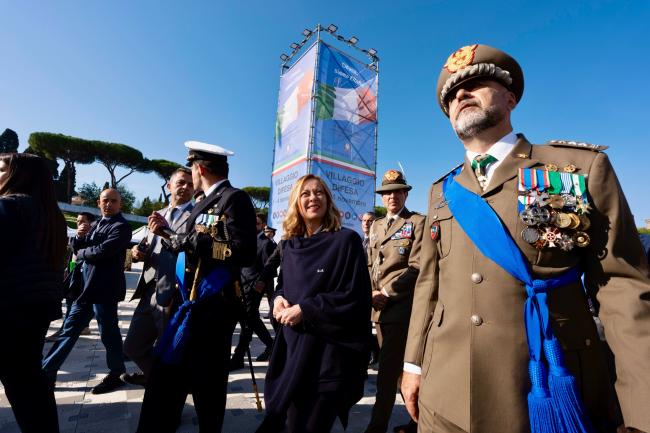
(345, 121)
(326, 124)
(293, 120)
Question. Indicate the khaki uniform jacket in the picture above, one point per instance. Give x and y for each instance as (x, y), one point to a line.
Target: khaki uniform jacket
(467, 327)
(394, 263)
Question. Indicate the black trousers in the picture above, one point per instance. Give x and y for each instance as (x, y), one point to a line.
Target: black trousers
(27, 388)
(309, 412)
(253, 323)
(203, 372)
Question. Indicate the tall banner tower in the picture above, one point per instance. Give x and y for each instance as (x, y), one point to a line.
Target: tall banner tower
(327, 125)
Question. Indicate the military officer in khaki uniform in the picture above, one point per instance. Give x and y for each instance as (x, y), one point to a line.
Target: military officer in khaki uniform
(393, 255)
(466, 358)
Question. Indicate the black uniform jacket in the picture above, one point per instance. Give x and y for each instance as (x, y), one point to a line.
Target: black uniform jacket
(236, 205)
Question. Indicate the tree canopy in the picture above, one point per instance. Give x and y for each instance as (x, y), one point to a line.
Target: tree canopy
(380, 211)
(114, 155)
(260, 195)
(90, 192)
(164, 170)
(9, 141)
(71, 150)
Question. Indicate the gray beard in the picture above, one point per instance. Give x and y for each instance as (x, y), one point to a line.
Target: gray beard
(471, 123)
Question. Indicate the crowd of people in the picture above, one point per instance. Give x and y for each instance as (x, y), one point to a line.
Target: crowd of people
(519, 302)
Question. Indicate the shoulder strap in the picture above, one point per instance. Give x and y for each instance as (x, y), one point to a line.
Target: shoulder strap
(225, 196)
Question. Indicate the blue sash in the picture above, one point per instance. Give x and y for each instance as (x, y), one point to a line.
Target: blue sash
(550, 410)
(171, 345)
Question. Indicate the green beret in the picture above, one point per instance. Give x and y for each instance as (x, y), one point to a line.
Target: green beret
(479, 61)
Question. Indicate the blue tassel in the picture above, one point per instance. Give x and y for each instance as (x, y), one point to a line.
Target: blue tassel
(564, 391)
(542, 415)
(171, 345)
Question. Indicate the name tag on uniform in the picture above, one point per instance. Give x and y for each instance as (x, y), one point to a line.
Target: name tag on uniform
(404, 233)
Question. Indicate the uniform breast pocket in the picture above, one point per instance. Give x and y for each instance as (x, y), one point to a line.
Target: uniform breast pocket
(402, 249)
(442, 222)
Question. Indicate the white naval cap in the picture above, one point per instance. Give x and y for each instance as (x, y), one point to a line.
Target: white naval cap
(206, 152)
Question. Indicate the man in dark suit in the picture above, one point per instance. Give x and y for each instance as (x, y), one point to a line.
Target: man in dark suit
(156, 284)
(366, 222)
(220, 239)
(253, 287)
(102, 248)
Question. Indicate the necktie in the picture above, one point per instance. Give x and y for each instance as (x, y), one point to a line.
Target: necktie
(480, 164)
(389, 222)
(173, 213)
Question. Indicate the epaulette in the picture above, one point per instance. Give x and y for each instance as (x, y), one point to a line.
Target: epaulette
(448, 173)
(577, 145)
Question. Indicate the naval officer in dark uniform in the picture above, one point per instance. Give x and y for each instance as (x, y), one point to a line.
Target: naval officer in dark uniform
(193, 354)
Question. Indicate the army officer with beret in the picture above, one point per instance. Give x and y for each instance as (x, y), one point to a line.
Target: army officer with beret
(559, 209)
(393, 261)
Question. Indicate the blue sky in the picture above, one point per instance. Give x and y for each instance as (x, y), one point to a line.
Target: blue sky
(152, 74)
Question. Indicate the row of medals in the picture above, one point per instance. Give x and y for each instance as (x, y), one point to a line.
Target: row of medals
(555, 220)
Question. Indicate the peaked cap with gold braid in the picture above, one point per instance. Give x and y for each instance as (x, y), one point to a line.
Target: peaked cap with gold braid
(479, 61)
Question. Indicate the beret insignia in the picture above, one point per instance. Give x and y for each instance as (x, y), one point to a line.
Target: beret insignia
(391, 175)
(461, 58)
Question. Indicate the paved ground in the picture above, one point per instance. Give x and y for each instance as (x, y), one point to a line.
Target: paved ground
(118, 412)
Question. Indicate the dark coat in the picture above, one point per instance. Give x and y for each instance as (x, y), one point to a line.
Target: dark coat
(251, 274)
(27, 279)
(326, 275)
(270, 270)
(645, 241)
(103, 250)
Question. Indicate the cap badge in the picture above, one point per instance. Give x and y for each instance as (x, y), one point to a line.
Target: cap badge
(461, 58)
(391, 175)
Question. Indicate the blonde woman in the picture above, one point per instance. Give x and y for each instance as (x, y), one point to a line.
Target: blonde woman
(318, 366)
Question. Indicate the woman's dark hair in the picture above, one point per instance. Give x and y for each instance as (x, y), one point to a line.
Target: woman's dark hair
(30, 175)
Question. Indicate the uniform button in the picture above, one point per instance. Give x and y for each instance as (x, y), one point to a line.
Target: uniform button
(381, 247)
(476, 278)
(476, 320)
(177, 286)
(187, 270)
(587, 342)
(435, 217)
